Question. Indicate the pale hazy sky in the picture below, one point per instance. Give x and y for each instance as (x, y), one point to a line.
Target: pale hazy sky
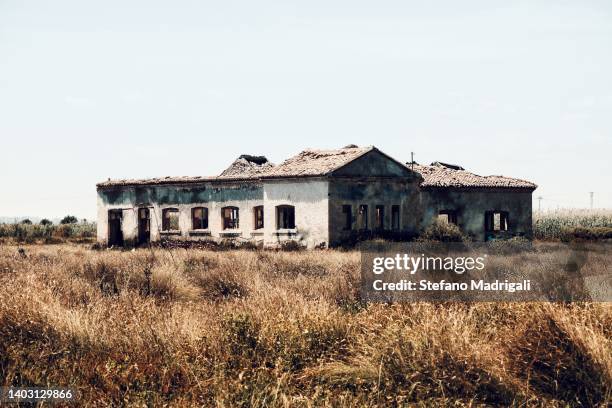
(123, 89)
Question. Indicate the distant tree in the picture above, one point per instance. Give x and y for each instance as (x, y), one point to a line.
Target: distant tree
(69, 219)
(26, 221)
(45, 222)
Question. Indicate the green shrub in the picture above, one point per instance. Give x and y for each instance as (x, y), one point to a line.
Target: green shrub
(586, 234)
(443, 232)
(69, 219)
(48, 233)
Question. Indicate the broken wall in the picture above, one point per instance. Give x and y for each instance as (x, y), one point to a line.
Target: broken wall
(471, 205)
(213, 196)
(373, 192)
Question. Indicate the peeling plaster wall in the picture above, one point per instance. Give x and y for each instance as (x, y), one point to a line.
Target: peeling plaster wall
(373, 179)
(129, 225)
(245, 196)
(472, 204)
(318, 207)
(310, 199)
(372, 192)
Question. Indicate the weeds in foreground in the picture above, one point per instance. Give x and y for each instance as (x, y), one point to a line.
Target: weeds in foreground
(262, 328)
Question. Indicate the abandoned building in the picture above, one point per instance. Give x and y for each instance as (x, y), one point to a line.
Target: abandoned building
(318, 198)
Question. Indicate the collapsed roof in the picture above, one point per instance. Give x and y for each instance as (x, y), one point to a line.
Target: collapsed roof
(247, 166)
(317, 163)
(447, 175)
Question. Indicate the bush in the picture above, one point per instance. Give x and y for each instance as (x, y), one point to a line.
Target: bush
(291, 245)
(586, 234)
(69, 219)
(513, 245)
(443, 232)
(48, 233)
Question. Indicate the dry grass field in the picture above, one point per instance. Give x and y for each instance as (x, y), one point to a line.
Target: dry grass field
(262, 328)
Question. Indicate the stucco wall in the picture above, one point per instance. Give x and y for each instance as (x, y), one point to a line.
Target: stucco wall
(318, 207)
(372, 192)
(128, 227)
(245, 196)
(472, 204)
(310, 199)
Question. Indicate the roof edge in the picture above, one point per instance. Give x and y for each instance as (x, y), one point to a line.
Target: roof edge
(524, 188)
(376, 149)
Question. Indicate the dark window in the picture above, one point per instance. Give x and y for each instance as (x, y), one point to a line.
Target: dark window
(230, 217)
(380, 217)
(395, 217)
(170, 219)
(199, 218)
(448, 216)
(259, 217)
(496, 221)
(363, 214)
(115, 233)
(144, 226)
(347, 210)
(285, 217)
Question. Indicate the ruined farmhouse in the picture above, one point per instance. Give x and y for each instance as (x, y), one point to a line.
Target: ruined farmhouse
(318, 198)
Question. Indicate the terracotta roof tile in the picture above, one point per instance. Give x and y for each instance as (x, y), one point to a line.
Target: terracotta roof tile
(311, 162)
(442, 175)
(155, 181)
(247, 166)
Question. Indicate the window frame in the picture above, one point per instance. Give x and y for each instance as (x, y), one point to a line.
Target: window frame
(258, 222)
(364, 217)
(289, 222)
(166, 224)
(235, 222)
(379, 216)
(203, 219)
(451, 215)
(504, 221)
(395, 215)
(347, 211)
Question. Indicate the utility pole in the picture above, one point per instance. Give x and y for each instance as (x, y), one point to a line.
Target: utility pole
(412, 161)
(540, 204)
(591, 194)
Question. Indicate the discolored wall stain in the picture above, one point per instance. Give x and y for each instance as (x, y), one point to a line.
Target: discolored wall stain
(176, 195)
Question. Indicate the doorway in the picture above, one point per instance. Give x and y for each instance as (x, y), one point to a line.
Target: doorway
(144, 226)
(115, 234)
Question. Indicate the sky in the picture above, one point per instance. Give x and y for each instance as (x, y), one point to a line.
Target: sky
(130, 89)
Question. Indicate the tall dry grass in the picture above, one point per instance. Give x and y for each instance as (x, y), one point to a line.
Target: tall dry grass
(260, 328)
